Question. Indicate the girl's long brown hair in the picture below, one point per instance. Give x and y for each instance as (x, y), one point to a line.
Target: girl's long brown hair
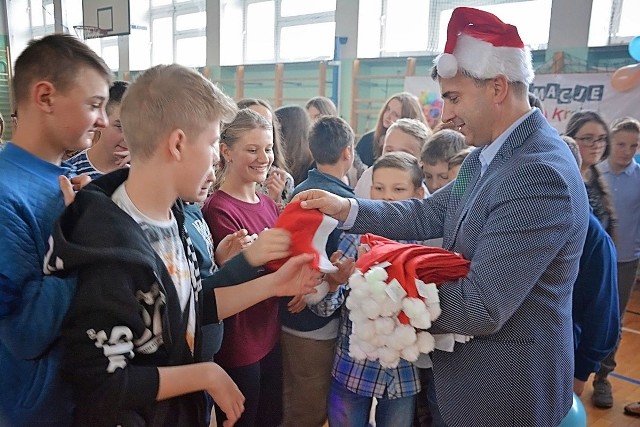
(411, 109)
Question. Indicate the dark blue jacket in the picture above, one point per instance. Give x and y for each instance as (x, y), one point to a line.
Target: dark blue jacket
(596, 317)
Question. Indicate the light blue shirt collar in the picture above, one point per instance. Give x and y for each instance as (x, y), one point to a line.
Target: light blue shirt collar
(489, 151)
(627, 171)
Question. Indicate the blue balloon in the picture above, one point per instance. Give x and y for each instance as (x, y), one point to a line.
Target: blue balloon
(634, 48)
(576, 417)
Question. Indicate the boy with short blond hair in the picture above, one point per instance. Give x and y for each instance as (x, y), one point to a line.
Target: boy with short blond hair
(405, 135)
(133, 335)
(60, 87)
(441, 157)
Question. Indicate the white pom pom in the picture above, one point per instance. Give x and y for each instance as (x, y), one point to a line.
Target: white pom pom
(380, 298)
(373, 356)
(423, 321)
(367, 347)
(447, 65)
(366, 330)
(357, 280)
(377, 287)
(413, 307)
(376, 274)
(384, 325)
(392, 341)
(370, 308)
(379, 340)
(359, 293)
(351, 303)
(434, 310)
(355, 352)
(389, 358)
(390, 308)
(321, 291)
(405, 334)
(425, 342)
(357, 316)
(410, 353)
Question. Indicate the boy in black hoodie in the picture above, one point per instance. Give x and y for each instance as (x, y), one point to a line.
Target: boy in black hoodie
(133, 331)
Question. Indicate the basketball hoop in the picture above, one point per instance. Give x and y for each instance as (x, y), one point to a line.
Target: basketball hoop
(86, 32)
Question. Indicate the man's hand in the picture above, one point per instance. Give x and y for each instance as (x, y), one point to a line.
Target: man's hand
(69, 187)
(226, 394)
(296, 277)
(270, 245)
(231, 246)
(327, 203)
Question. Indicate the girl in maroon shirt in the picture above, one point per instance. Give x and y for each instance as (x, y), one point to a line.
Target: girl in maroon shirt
(250, 351)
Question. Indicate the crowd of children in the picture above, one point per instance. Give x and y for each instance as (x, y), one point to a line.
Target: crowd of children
(150, 288)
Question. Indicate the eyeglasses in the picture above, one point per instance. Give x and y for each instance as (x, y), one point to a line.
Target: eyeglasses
(591, 141)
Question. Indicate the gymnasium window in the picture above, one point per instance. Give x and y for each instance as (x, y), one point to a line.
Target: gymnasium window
(419, 27)
(613, 22)
(532, 18)
(40, 22)
(178, 32)
(277, 30)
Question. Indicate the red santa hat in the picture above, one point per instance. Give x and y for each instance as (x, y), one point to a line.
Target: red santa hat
(309, 230)
(408, 262)
(483, 46)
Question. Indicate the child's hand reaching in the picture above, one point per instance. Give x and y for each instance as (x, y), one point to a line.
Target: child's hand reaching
(226, 394)
(270, 245)
(296, 277)
(346, 267)
(69, 187)
(231, 245)
(275, 183)
(122, 158)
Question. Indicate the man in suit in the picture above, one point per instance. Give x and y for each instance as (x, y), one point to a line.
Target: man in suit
(519, 211)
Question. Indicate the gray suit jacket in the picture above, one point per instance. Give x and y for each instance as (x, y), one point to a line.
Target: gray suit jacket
(522, 225)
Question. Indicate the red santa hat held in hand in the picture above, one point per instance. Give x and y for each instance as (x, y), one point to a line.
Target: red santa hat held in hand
(482, 46)
(309, 230)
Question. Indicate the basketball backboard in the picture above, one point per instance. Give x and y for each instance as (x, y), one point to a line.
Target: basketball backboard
(113, 17)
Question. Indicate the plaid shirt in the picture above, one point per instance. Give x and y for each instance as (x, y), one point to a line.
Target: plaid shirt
(366, 377)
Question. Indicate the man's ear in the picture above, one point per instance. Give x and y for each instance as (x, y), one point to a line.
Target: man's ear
(176, 141)
(499, 86)
(419, 193)
(44, 95)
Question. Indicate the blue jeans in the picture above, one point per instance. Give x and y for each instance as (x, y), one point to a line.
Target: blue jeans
(348, 409)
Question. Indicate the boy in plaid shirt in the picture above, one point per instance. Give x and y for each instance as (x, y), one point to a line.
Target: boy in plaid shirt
(396, 176)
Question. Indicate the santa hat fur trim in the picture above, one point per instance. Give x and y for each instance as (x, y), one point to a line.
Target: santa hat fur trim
(482, 46)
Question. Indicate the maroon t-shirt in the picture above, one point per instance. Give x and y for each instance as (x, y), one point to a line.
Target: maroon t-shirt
(252, 333)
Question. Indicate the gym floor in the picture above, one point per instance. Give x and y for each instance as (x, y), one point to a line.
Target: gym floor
(625, 379)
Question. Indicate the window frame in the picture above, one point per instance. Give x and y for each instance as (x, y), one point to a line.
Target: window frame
(174, 10)
(280, 23)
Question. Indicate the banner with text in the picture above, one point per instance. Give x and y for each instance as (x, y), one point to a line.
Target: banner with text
(563, 94)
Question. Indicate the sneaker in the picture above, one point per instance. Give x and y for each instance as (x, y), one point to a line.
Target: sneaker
(602, 396)
(632, 409)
